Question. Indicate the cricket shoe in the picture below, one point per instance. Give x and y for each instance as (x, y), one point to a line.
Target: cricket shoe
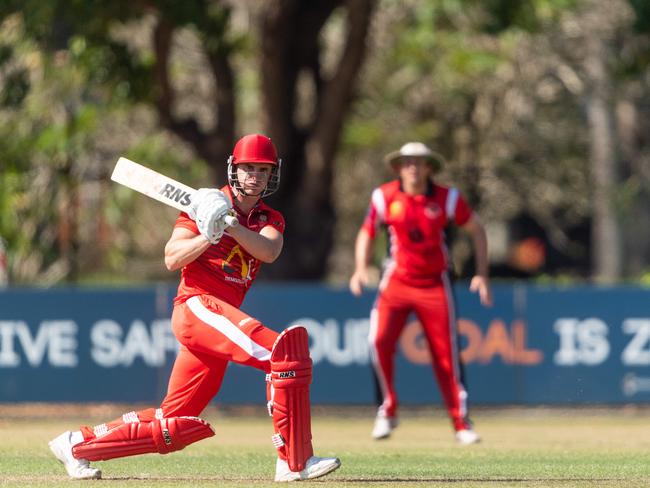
(78, 469)
(383, 426)
(315, 468)
(467, 437)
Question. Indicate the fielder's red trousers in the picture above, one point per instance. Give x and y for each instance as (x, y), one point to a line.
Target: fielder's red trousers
(434, 307)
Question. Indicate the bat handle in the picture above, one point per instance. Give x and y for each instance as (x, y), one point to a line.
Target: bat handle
(231, 220)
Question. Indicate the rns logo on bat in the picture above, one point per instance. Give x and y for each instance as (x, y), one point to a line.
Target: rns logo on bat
(176, 194)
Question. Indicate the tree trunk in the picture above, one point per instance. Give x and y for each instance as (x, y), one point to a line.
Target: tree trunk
(214, 145)
(636, 226)
(291, 54)
(605, 232)
(303, 112)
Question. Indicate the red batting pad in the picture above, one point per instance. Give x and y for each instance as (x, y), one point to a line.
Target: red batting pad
(291, 373)
(161, 436)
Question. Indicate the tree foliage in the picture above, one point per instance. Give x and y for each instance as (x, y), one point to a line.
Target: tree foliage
(505, 98)
(139, 53)
(499, 87)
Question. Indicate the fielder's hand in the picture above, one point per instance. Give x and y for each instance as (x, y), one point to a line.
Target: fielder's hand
(358, 281)
(480, 284)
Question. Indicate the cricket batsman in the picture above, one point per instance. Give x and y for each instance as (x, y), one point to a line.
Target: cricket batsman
(219, 264)
(416, 211)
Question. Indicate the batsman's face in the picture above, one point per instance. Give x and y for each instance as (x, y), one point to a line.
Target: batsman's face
(414, 170)
(253, 177)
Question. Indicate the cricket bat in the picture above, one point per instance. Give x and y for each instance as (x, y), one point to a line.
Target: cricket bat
(157, 186)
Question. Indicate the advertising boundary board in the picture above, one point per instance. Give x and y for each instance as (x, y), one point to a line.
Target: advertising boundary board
(537, 345)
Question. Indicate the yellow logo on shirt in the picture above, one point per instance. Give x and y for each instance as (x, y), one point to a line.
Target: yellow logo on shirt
(396, 210)
(236, 251)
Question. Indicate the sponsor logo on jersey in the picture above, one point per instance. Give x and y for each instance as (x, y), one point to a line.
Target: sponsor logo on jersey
(416, 235)
(396, 210)
(234, 279)
(432, 210)
(228, 267)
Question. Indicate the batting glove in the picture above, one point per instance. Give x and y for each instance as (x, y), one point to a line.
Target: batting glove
(211, 213)
(204, 197)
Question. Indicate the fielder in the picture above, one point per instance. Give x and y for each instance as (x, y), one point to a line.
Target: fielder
(416, 211)
(218, 268)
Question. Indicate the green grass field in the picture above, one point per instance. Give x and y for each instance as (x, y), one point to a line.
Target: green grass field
(530, 448)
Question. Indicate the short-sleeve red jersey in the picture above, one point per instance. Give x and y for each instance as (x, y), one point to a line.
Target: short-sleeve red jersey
(416, 229)
(226, 270)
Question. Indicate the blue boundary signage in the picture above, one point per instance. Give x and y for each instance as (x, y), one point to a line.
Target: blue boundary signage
(535, 346)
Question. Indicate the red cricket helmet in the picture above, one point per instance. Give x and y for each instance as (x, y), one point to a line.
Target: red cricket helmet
(255, 148)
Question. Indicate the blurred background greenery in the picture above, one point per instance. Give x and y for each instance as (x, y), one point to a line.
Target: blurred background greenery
(540, 108)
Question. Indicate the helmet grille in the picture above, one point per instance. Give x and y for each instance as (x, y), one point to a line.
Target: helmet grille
(272, 184)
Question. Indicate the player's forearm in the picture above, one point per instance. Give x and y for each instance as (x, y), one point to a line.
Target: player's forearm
(479, 238)
(259, 246)
(362, 248)
(181, 252)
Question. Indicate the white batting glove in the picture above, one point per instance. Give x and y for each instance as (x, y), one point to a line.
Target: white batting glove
(210, 215)
(212, 228)
(206, 196)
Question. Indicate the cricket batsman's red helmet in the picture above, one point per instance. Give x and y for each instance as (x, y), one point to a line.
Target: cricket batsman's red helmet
(255, 148)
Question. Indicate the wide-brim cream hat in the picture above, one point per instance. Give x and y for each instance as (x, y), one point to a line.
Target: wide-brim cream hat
(415, 149)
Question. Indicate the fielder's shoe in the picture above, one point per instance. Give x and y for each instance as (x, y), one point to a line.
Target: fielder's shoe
(78, 469)
(315, 468)
(467, 436)
(383, 426)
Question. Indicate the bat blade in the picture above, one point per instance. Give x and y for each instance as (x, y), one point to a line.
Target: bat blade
(153, 184)
(157, 186)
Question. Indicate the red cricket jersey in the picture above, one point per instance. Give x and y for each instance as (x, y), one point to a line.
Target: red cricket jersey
(416, 229)
(225, 270)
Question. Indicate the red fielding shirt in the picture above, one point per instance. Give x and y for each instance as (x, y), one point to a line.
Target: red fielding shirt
(225, 270)
(416, 229)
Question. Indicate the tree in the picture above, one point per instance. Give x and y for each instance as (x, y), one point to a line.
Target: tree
(598, 32)
(502, 90)
(477, 81)
(507, 91)
(303, 104)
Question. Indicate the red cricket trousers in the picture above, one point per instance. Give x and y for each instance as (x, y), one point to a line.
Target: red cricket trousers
(434, 307)
(212, 333)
